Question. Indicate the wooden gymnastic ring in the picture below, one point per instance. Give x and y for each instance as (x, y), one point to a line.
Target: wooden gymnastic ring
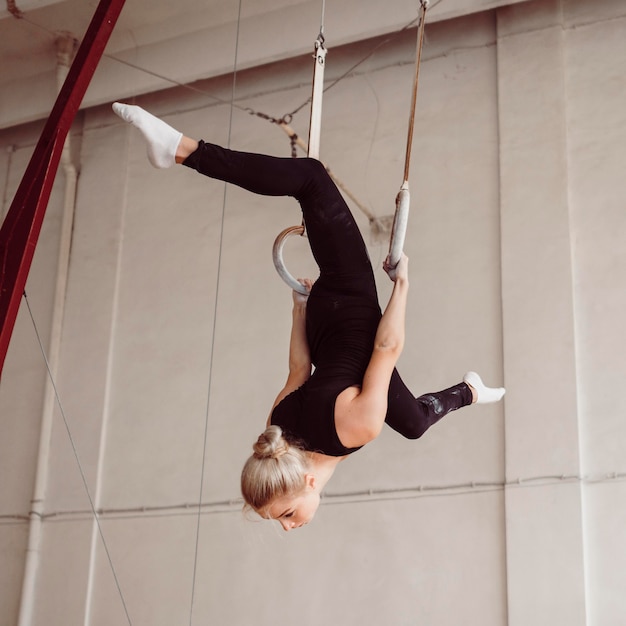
(400, 221)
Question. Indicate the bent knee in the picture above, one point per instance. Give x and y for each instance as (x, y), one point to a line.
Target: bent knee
(412, 430)
(315, 169)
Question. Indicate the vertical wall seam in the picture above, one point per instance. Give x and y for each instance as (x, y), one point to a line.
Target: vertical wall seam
(502, 315)
(574, 299)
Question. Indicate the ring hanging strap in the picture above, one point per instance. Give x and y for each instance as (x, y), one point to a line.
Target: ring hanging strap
(313, 149)
(418, 58)
(403, 199)
(315, 123)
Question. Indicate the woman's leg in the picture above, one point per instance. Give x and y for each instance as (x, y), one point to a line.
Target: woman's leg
(334, 236)
(412, 417)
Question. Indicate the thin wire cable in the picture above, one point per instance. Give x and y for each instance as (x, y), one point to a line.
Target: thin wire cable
(235, 105)
(77, 457)
(357, 64)
(371, 53)
(214, 328)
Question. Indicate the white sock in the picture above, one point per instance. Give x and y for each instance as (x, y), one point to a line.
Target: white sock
(162, 139)
(484, 394)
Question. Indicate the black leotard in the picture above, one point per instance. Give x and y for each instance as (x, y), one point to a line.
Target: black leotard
(340, 331)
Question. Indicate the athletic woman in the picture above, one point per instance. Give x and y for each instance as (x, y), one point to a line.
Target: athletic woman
(322, 416)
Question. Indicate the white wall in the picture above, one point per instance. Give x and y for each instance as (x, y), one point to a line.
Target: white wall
(184, 41)
(501, 514)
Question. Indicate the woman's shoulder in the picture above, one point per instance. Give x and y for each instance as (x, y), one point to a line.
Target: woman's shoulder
(308, 415)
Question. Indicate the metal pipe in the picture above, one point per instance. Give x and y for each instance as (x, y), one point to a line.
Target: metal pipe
(66, 46)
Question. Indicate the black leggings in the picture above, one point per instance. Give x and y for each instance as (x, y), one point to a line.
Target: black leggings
(338, 249)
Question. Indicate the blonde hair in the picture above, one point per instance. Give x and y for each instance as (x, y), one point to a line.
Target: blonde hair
(276, 468)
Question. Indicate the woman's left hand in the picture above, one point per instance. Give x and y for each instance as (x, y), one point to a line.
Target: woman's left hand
(301, 298)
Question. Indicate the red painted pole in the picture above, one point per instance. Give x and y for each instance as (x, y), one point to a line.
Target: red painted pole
(21, 227)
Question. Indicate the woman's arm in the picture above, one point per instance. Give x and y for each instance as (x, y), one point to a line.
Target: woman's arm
(299, 355)
(359, 418)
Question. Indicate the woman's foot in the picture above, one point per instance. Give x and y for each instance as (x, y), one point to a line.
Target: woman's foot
(482, 394)
(162, 139)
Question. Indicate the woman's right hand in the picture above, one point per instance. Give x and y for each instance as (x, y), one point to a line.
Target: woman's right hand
(400, 271)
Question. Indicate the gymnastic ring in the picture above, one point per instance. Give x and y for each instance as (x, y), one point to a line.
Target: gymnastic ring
(277, 255)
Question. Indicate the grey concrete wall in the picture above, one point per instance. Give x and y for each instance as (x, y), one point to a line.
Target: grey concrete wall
(176, 324)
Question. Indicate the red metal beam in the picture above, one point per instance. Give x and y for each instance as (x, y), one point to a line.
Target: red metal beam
(21, 227)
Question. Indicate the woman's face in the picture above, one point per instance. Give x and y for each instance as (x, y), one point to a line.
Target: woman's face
(293, 511)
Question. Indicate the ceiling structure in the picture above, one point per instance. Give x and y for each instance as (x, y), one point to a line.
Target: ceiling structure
(157, 43)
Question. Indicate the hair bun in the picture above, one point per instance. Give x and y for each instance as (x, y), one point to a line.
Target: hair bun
(271, 444)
